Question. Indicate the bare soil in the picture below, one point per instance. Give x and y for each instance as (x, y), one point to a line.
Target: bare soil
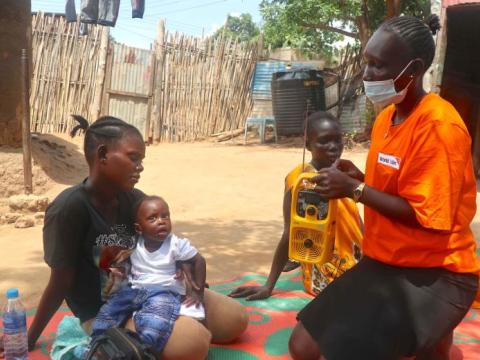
(226, 197)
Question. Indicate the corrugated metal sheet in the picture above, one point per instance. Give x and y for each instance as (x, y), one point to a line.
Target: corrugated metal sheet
(262, 107)
(262, 78)
(447, 3)
(131, 75)
(131, 109)
(352, 117)
(131, 70)
(331, 95)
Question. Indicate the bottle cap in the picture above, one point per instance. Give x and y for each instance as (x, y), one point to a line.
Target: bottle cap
(12, 293)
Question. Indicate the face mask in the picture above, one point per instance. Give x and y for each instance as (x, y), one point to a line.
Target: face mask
(383, 93)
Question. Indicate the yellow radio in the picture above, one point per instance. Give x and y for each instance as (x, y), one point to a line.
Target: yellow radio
(312, 223)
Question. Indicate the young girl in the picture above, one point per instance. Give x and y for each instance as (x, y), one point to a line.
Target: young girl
(324, 141)
(97, 214)
(419, 273)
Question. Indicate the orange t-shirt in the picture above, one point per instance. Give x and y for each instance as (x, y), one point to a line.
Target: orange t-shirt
(427, 161)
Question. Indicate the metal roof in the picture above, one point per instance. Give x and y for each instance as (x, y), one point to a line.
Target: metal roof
(262, 78)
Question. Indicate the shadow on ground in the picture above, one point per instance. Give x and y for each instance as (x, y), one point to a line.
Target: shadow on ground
(232, 248)
(61, 160)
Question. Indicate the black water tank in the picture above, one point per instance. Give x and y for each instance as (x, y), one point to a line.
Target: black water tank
(293, 92)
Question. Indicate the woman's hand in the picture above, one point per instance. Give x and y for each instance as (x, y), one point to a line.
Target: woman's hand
(350, 169)
(251, 292)
(332, 183)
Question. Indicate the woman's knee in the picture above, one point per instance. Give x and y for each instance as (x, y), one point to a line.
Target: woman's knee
(190, 340)
(226, 318)
(302, 346)
(441, 351)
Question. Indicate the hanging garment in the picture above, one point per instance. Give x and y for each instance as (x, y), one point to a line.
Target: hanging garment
(71, 16)
(138, 8)
(83, 29)
(70, 12)
(102, 12)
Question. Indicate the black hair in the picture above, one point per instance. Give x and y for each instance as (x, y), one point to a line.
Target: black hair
(416, 34)
(139, 202)
(106, 130)
(319, 117)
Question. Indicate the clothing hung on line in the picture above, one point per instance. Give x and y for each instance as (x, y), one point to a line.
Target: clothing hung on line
(101, 12)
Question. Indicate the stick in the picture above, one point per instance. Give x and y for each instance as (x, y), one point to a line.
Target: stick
(26, 140)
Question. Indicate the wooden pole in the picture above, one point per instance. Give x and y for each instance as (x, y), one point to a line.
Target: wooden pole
(148, 125)
(108, 81)
(156, 115)
(27, 144)
(100, 79)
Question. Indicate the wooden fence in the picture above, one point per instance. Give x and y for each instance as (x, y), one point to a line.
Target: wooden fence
(65, 69)
(205, 86)
(190, 88)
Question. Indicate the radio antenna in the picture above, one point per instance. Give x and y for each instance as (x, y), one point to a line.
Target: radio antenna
(305, 134)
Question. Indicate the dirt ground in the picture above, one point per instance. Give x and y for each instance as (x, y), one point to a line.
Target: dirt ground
(227, 198)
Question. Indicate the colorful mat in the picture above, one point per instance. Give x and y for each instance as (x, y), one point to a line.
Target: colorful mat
(271, 322)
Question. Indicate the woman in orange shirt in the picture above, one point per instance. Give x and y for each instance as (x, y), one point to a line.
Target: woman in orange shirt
(419, 274)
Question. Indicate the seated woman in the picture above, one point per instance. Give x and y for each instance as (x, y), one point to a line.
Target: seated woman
(96, 215)
(324, 141)
(419, 273)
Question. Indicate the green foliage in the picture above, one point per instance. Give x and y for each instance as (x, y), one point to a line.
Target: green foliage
(300, 23)
(280, 29)
(378, 10)
(240, 27)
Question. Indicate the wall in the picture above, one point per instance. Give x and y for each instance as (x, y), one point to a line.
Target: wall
(352, 117)
(15, 34)
(290, 54)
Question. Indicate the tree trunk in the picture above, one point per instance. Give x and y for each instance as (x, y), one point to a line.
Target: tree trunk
(365, 32)
(363, 24)
(394, 8)
(15, 35)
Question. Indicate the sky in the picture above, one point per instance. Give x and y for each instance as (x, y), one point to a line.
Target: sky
(192, 17)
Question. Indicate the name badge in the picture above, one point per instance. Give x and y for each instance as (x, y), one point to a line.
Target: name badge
(389, 160)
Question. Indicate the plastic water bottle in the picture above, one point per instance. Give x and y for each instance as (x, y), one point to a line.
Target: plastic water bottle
(15, 328)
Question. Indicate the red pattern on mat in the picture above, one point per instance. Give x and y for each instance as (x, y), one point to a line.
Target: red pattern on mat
(467, 335)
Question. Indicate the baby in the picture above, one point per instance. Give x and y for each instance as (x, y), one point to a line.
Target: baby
(155, 295)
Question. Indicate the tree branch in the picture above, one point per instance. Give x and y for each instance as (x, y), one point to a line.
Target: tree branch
(331, 28)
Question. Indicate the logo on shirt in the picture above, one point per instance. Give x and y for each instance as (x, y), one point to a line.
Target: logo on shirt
(389, 160)
(118, 237)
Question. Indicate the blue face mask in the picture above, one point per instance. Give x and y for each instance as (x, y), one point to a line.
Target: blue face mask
(382, 93)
